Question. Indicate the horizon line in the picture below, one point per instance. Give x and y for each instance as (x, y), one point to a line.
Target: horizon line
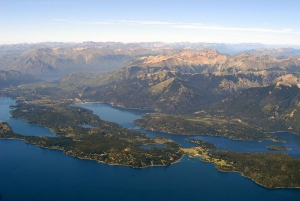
(66, 42)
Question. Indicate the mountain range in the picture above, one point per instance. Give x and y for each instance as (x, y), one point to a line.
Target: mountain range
(55, 60)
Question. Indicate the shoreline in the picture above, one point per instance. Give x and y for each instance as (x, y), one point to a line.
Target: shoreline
(189, 135)
(179, 160)
(242, 174)
(82, 158)
(274, 188)
(113, 105)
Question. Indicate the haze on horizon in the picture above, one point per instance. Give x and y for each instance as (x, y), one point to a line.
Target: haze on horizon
(226, 21)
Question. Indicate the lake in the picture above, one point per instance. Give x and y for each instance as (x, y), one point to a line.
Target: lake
(28, 172)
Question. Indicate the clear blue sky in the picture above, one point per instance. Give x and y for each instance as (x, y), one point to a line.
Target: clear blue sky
(234, 21)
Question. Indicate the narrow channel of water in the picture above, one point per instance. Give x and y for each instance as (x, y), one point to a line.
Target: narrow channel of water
(126, 117)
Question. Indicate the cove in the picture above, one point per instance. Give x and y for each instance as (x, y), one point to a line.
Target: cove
(18, 125)
(28, 172)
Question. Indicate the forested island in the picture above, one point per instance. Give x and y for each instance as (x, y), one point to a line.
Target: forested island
(205, 145)
(277, 148)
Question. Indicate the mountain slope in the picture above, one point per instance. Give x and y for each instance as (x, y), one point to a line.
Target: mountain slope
(14, 78)
(171, 92)
(45, 62)
(275, 107)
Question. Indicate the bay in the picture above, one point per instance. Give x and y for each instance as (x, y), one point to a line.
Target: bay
(28, 172)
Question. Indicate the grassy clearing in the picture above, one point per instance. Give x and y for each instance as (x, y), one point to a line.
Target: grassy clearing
(206, 120)
(191, 151)
(220, 162)
(162, 140)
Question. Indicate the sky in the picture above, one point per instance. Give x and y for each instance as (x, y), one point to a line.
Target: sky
(212, 21)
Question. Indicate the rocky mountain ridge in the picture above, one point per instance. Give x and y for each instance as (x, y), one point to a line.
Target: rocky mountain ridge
(207, 61)
(173, 92)
(59, 59)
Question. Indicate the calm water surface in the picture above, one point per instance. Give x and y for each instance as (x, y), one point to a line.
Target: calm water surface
(28, 172)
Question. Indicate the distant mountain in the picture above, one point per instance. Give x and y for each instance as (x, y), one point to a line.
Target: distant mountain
(223, 48)
(16, 49)
(56, 61)
(46, 61)
(279, 53)
(246, 62)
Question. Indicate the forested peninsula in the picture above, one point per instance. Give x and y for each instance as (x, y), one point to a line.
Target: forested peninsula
(106, 142)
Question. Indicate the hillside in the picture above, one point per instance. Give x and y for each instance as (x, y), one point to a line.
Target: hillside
(171, 92)
(14, 78)
(275, 107)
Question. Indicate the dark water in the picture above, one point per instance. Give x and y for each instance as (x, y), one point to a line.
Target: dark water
(28, 172)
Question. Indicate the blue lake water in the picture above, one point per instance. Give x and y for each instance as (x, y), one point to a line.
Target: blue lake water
(28, 172)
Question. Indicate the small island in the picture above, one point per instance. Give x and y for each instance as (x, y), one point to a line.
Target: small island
(278, 148)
